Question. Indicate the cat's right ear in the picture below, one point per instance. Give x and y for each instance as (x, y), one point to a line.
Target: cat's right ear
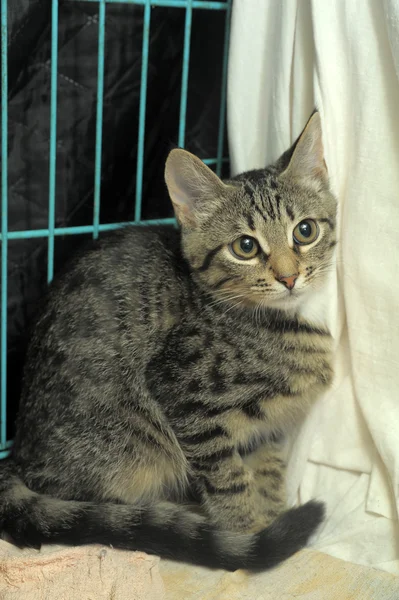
(192, 186)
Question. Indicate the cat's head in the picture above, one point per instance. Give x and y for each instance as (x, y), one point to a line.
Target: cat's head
(265, 238)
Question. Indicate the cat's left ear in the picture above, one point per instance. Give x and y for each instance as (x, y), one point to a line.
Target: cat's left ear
(307, 160)
(192, 186)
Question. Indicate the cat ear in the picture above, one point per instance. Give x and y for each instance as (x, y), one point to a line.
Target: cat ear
(192, 187)
(307, 159)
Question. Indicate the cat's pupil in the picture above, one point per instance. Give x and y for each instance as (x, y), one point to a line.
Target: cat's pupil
(305, 229)
(247, 245)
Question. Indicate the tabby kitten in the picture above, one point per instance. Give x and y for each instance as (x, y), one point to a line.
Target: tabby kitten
(169, 366)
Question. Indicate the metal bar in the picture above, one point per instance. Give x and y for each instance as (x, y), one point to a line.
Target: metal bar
(210, 5)
(143, 97)
(53, 138)
(184, 79)
(99, 117)
(84, 229)
(222, 112)
(4, 223)
(5, 451)
(39, 233)
(4, 454)
(213, 161)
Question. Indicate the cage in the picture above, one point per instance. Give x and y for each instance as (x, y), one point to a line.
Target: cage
(54, 230)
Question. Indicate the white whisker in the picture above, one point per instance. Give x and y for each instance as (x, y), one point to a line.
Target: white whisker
(231, 307)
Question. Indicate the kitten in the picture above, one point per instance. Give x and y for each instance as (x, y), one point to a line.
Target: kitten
(168, 365)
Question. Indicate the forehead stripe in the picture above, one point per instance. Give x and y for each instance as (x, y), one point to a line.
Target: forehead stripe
(277, 199)
(258, 210)
(289, 212)
(269, 207)
(250, 221)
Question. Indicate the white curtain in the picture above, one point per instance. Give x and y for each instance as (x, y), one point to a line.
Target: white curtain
(287, 56)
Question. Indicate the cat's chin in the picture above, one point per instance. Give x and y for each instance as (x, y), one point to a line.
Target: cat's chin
(288, 303)
(309, 304)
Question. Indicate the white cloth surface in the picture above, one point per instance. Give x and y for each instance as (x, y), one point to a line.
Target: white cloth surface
(343, 57)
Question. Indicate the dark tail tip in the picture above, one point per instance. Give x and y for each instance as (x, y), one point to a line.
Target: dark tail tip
(287, 535)
(299, 524)
(293, 529)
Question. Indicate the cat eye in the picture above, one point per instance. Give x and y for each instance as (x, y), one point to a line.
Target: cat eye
(306, 232)
(245, 247)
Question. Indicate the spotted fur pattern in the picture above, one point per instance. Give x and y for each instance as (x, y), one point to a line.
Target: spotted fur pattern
(164, 375)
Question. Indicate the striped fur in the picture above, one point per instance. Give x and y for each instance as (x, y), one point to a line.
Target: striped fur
(163, 377)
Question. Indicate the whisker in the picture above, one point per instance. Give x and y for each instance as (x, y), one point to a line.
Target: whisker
(226, 300)
(231, 296)
(231, 307)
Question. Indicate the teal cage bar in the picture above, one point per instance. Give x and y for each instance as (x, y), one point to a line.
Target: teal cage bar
(96, 228)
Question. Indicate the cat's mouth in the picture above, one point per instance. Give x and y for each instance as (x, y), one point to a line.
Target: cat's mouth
(284, 299)
(277, 297)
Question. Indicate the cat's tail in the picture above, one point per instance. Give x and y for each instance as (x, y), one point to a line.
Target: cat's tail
(166, 529)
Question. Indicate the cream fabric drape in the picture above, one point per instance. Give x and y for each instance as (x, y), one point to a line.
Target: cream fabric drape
(286, 57)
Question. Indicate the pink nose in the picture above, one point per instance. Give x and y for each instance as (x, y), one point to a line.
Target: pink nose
(288, 280)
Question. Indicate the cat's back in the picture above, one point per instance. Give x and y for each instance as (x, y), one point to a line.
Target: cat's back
(89, 348)
(121, 257)
(104, 305)
(114, 271)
